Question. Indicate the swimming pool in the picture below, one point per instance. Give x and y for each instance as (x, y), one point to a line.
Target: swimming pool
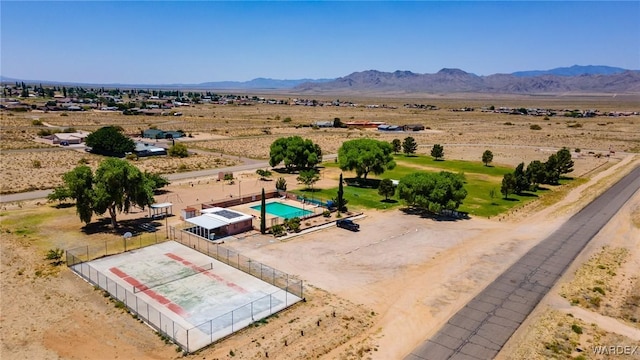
(283, 210)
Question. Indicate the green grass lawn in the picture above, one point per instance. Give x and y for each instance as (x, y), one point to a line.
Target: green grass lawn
(480, 180)
(454, 165)
(358, 198)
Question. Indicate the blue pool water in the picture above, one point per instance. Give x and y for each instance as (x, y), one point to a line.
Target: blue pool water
(283, 210)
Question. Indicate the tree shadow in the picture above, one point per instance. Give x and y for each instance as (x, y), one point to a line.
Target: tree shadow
(314, 190)
(528, 194)
(134, 226)
(510, 199)
(389, 201)
(161, 191)
(282, 170)
(102, 225)
(363, 183)
(426, 214)
(64, 205)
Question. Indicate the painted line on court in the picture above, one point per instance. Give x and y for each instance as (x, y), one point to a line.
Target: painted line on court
(197, 268)
(152, 294)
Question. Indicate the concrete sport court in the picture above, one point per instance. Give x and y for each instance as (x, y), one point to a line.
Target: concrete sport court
(189, 296)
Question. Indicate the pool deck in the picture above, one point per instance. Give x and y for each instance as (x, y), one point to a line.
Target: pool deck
(246, 208)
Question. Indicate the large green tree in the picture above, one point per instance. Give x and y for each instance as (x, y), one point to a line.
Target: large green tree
(487, 157)
(508, 185)
(536, 174)
(308, 177)
(552, 170)
(432, 191)
(409, 145)
(437, 151)
(263, 214)
(339, 201)
(365, 156)
(295, 152)
(109, 140)
(386, 188)
(565, 164)
(522, 181)
(159, 181)
(79, 183)
(397, 145)
(115, 187)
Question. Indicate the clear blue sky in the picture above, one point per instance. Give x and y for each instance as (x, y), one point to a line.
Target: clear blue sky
(165, 42)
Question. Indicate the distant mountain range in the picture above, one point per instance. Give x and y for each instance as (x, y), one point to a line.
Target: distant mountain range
(554, 81)
(258, 83)
(576, 79)
(574, 70)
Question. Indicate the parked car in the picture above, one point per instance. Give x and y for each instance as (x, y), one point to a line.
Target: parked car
(348, 224)
(64, 143)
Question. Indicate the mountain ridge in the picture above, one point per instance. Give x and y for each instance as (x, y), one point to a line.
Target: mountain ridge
(449, 80)
(576, 78)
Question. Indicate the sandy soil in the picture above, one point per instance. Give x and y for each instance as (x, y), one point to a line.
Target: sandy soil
(390, 286)
(36, 170)
(381, 283)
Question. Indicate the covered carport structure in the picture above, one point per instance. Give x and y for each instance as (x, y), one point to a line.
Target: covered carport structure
(160, 210)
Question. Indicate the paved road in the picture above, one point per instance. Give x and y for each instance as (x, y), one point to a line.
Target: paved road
(252, 165)
(484, 325)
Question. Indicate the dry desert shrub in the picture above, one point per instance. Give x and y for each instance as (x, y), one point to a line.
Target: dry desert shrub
(25, 171)
(8, 142)
(556, 335)
(593, 286)
(168, 165)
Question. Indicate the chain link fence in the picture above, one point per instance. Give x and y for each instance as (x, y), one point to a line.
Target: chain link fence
(232, 258)
(111, 247)
(189, 339)
(196, 337)
(151, 315)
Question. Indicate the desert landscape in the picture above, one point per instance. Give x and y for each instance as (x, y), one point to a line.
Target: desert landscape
(373, 295)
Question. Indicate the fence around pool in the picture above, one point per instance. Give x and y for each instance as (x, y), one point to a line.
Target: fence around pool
(205, 333)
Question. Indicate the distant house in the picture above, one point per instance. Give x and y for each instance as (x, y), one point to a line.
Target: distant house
(389, 128)
(414, 127)
(68, 138)
(364, 124)
(159, 134)
(151, 112)
(323, 124)
(153, 134)
(143, 149)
